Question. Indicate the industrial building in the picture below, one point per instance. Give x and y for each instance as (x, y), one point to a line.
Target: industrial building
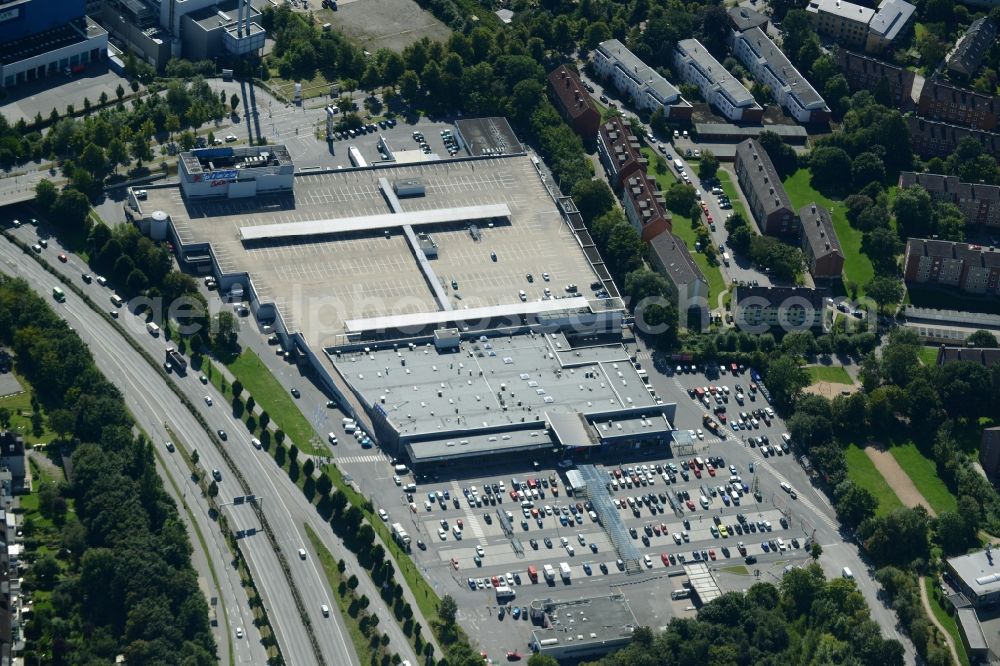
(646, 87)
(718, 87)
(337, 258)
(503, 391)
(582, 628)
(41, 38)
(770, 67)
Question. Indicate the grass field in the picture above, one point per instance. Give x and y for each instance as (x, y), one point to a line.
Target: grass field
(857, 268)
(923, 472)
(928, 355)
(862, 471)
(947, 621)
(835, 374)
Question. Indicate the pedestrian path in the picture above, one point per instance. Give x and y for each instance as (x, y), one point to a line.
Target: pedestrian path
(761, 464)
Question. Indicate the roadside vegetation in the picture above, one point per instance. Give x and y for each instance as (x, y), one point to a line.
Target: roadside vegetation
(118, 579)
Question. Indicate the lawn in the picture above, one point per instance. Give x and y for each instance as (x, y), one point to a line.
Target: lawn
(19, 405)
(928, 355)
(923, 472)
(857, 267)
(862, 471)
(275, 400)
(947, 621)
(832, 373)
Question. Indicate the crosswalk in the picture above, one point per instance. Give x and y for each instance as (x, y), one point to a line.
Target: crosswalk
(471, 521)
(360, 459)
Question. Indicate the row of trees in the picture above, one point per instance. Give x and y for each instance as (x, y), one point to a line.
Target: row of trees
(129, 588)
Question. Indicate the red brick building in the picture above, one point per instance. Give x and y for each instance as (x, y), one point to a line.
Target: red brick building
(574, 102)
(645, 208)
(619, 151)
(939, 100)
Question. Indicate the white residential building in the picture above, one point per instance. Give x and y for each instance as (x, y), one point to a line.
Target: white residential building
(718, 87)
(633, 78)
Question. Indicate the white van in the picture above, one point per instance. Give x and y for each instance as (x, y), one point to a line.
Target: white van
(846, 573)
(153, 329)
(116, 300)
(704, 502)
(400, 469)
(784, 486)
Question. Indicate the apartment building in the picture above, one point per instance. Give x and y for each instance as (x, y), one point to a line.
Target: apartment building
(979, 203)
(890, 22)
(822, 250)
(762, 309)
(769, 66)
(866, 73)
(973, 269)
(644, 206)
(718, 87)
(769, 203)
(859, 27)
(690, 288)
(940, 100)
(618, 149)
(931, 138)
(646, 87)
(574, 102)
(967, 55)
(744, 18)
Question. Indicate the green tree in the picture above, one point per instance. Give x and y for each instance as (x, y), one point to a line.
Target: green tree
(213, 489)
(828, 165)
(5, 418)
(234, 103)
(708, 166)
(593, 198)
(679, 198)
(853, 503)
(120, 92)
(978, 338)
(882, 246)
(45, 194)
(786, 379)
(884, 290)
(409, 87)
(867, 168)
(448, 610)
(914, 213)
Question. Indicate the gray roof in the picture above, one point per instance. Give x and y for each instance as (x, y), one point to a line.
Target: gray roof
(744, 18)
(646, 77)
(817, 227)
(676, 260)
(775, 296)
(891, 18)
(983, 355)
(495, 385)
(969, 52)
(841, 8)
(713, 70)
(978, 571)
(764, 178)
(972, 630)
(594, 621)
(728, 129)
(941, 185)
(782, 69)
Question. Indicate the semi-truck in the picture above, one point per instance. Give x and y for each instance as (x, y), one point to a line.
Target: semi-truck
(177, 362)
(564, 571)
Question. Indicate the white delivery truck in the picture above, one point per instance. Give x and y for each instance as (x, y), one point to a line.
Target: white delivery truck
(725, 258)
(504, 593)
(564, 571)
(549, 572)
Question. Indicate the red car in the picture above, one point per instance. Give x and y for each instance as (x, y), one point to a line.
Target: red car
(690, 505)
(618, 473)
(665, 558)
(697, 472)
(62, 257)
(656, 529)
(711, 470)
(513, 495)
(495, 581)
(711, 554)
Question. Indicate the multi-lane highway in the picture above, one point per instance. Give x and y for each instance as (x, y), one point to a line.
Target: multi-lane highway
(155, 404)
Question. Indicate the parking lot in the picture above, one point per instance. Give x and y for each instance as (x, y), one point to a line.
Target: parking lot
(671, 512)
(400, 138)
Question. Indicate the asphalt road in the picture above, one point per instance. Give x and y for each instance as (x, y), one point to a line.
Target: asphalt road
(140, 383)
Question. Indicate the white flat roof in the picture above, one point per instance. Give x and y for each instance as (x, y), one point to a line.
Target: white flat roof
(418, 319)
(375, 222)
